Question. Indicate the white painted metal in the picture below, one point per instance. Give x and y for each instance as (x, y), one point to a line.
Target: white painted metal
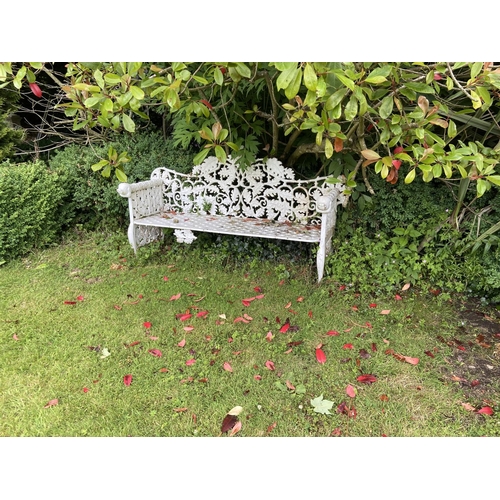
(262, 201)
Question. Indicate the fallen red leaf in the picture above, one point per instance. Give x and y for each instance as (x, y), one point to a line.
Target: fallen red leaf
(354, 308)
(285, 327)
(180, 410)
(310, 314)
(236, 428)
(190, 362)
(182, 343)
(350, 391)
(372, 306)
(347, 346)
(474, 383)
(227, 367)
(412, 361)
(398, 297)
(269, 365)
(290, 385)
(146, 324)
(85, 389)
(80, 298)
(257, 377)
(163, 370)
(127, 380)
(69, 302)
(259, 297)
(367, 379)
(384, 397)
(257, 289)
(405, 287)
(175, 297)
(320, 356)
(117, 307)
(202, 314)
(332, 333)
(15, 337)
(155, 352)
(269, 336)
(52, 402)
(486, 410)
(429, 353)
(300, 299)
(271, 427)
(184, 317)
(374, 346)
(385, 311)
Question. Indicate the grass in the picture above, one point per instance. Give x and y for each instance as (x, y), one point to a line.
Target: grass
(53, 350)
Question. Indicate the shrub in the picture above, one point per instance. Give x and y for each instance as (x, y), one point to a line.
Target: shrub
(94, 198)
(32, 211)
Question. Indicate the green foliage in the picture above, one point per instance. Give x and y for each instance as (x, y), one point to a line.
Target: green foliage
(32, 207)
(9, 136)
(94, 199)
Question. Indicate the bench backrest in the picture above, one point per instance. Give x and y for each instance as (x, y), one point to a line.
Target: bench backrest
(265, 190)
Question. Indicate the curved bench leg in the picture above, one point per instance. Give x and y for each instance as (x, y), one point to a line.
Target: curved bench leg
(320, 261)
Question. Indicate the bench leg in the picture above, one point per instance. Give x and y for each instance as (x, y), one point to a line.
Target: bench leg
(320, 261)
(131, 237)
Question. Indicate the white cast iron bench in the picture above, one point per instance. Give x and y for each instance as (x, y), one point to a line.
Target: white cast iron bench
(262, 201)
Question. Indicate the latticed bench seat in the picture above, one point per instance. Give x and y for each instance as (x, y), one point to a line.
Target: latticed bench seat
(263, 201)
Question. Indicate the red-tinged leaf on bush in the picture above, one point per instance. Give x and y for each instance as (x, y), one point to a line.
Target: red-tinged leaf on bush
(398, 149)
(350, 391)
(127, 380)
(269, 336)
(347, 346)
(486, 410)
(320, 356)
(175, 297)
(271, 427)
(269, 365)
(385, 311)
(35, 89)
(236, 428)
(155, 352)
(69, 302)
(52, 402)
(257, 377)
(474, 383)
(290, 385)
(190, 362)
(284, 328)
(227, 367)
(372, 305)
(332, 333)
(146, 324)
(396, 164)
(182, 343)
(202, 314)
(367, 379)
(374, 346)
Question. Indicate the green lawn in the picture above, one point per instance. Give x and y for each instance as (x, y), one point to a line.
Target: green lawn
(78, 318)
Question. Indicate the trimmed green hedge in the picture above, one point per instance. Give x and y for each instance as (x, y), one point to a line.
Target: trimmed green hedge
(32, 207)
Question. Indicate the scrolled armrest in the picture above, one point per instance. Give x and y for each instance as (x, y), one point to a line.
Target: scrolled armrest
(327, 202)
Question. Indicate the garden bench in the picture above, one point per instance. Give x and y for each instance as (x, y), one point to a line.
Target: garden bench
(263, 201)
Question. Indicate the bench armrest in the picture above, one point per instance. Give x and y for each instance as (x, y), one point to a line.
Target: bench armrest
(328, 202)
(126, 190)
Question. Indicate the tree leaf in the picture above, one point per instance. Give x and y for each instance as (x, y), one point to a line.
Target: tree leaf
(350, 391)
(320, 356)
(370, 154)
(322, 405)
(486, 410)
(128, 123)
(386, 106)
(310, 78)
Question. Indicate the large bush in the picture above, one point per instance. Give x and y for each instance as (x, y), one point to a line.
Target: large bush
(94, 199)
(32, 207)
